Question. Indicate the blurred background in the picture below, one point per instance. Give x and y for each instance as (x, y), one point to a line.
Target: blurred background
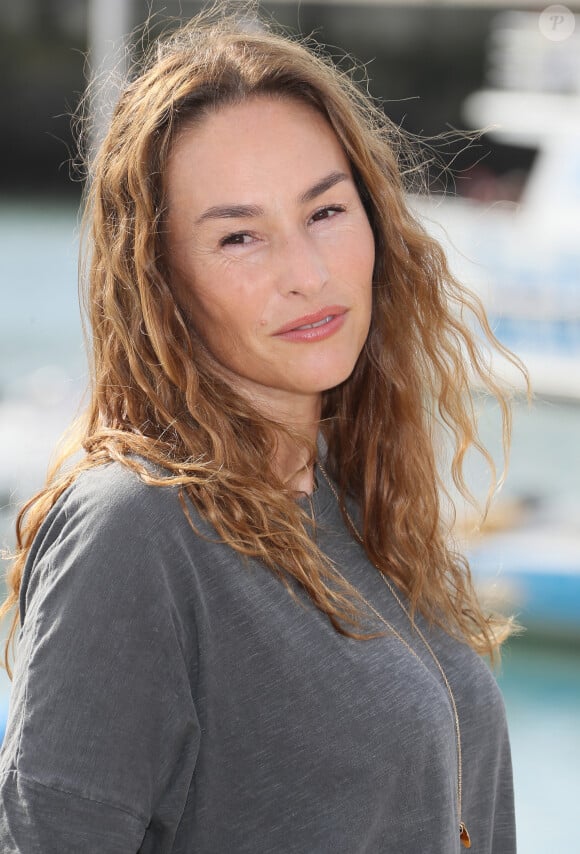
(506, 207)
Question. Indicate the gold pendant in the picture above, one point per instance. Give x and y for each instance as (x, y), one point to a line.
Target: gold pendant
(464, 836)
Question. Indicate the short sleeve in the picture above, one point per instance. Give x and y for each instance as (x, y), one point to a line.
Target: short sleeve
(102, 735)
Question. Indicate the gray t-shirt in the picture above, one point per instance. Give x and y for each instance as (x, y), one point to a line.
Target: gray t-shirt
(171, 697)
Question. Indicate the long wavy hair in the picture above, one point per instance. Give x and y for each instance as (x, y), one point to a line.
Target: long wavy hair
(157, 395)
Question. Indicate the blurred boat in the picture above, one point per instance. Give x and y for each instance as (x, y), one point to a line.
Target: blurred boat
(526, 562)
(523, 259)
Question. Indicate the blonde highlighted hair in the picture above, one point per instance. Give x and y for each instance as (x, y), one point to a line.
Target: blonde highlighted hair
(157, 394)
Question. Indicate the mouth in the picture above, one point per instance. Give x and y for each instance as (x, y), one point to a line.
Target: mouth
(318, 319)
(318, 323)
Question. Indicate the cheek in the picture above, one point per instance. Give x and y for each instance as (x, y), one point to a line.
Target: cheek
(362, 260)
(224, 318)
(368, 249)
(355, 246)
(362, 275)
(237, 299)
(210, 317)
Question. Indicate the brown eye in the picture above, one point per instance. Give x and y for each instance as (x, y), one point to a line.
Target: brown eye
(326, 212)
(236, 239)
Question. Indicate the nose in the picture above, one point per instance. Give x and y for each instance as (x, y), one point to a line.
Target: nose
(303, 266)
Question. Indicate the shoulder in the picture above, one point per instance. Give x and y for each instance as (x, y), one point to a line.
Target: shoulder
(110, 498)
(116, 493)
(110, 528)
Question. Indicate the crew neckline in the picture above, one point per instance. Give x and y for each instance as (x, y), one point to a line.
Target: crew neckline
(321, 500)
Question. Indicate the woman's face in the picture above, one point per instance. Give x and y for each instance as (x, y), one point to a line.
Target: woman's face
(271, 250)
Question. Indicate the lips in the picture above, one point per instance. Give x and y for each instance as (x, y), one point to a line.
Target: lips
(313, 321)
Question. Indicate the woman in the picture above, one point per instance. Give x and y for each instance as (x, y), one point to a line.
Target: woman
(242, 626)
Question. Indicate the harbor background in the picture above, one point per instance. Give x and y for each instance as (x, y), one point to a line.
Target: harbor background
(425, 62)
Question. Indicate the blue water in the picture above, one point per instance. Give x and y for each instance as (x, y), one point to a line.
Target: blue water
(39, 321)
(541, 687)
(42, 376)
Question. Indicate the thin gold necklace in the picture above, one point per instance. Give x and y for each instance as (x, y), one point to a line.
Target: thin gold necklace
(463, 832)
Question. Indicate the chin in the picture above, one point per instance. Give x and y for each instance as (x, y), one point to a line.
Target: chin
(332, 379)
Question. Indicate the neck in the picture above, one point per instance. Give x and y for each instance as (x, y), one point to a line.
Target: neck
(293, 463)
(301, 415)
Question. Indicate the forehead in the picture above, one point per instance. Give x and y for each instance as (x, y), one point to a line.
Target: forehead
(260, 149)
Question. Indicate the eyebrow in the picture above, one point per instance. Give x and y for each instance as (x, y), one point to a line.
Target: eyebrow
(322, 186)
(243, 211)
